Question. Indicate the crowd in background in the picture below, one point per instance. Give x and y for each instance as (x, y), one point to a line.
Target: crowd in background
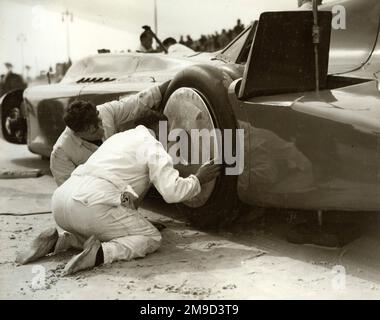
(217, 41)
(213, 42)
(206, 43)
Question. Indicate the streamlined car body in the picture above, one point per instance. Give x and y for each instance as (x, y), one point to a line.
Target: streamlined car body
(302, 148)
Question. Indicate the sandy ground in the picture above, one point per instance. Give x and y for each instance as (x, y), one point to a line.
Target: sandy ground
(251, 261)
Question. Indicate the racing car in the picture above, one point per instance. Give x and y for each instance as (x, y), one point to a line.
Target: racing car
(309, 109)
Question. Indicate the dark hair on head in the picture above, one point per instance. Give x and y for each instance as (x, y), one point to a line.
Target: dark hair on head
(79, 115)
(150, 118)
(169, 41)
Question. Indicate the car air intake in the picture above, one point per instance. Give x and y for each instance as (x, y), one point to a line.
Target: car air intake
(95, 79)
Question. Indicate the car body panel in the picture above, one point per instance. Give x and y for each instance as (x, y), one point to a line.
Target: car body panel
(352, 47)
(44, 110)
(308, 150)
(312, 151)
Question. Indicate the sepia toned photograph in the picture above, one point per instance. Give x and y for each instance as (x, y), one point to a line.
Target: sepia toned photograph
(189, 150)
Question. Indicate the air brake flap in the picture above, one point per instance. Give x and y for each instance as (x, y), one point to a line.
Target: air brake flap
(282, 57)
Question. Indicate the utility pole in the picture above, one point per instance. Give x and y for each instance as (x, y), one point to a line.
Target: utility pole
(67, 17)
(155, 17)
(21, 38)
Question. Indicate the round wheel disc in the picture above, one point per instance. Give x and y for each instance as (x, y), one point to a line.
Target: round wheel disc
(187, 110)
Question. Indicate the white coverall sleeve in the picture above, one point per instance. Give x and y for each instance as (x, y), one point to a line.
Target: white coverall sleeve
(61, 166)
(166, 179)
(116, 114)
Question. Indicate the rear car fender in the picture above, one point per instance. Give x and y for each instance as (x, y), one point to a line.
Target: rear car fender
(212, 78)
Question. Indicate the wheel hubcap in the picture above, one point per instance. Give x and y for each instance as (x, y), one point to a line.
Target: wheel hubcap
(187, 110)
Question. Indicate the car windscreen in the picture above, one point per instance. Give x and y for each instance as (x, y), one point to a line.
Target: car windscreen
(111, 66)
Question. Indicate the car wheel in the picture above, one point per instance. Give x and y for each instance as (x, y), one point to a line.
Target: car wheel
(196, 99)
(13, 124)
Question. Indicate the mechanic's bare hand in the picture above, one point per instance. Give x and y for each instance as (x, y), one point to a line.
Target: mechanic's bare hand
(208, 172)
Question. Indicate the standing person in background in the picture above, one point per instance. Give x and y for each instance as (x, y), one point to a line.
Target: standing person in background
(238, 28)
(176, 48)
(146, 42)
(11, 81)
(168, 42)
(189, 41)
(28, 78)
(181, 41)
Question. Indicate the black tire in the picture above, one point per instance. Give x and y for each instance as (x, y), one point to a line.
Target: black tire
(13, 123)
(222, 206)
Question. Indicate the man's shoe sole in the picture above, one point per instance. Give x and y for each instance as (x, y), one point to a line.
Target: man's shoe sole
(47, 238)
(91, 246)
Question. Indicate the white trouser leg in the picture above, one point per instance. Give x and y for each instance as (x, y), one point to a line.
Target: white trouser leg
(125, 234)
(128, 235)
(130, 247)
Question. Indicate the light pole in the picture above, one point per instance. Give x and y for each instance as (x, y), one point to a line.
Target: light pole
(155, 17)
(67, 17)
(21, 38)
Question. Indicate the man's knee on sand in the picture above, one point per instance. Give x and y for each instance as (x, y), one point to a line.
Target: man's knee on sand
(153, 243)
(130, 247)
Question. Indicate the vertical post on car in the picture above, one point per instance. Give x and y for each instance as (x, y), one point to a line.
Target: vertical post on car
(316, 41)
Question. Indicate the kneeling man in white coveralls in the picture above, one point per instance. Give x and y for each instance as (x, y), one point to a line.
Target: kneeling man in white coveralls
(97, 205)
